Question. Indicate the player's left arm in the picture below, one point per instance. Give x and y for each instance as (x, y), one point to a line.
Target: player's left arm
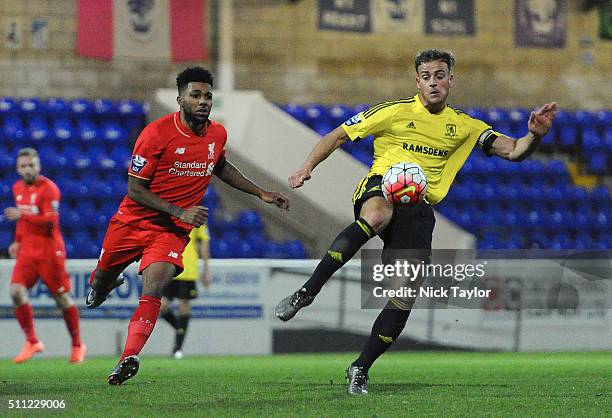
(539, 124)
(230, 174)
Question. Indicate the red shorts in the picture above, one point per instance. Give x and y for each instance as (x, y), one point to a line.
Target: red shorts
(50, 268)
(125, 243)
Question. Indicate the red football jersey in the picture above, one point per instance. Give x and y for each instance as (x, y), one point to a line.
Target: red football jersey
(38, 227)
(179, 165)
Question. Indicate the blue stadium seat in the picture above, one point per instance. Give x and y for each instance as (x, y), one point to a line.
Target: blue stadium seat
(231, 236)
(296, 111)
(478, 113)
(500, 120)
(339, 114)
(70, 218)
(100, 159)
(294, 249)
(76, 158)
(317, 114)
(518, 121)
(50, 158)
(6, 239)
(600, 194)
(258, 242)
(63, 130)
(249, 220)
(598, 164)
(8, 106)
(592, 142)
(31, 106)
(88, 130)
(273, 250)
(585, 119)
(56, 107)
(81, 107)
(321, 127)
(132, 113)
(108, 208)
(38, 130)
(244, 249)
(557, 169)
(219, 248)
(121, 156)
(13, 129)
(114, 133)
(105, 110)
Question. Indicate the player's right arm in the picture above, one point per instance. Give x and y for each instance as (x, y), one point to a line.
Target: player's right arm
(138, 191)
(374, 120)
(323, 149)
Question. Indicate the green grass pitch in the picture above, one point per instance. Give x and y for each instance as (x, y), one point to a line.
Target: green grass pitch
(401, 384)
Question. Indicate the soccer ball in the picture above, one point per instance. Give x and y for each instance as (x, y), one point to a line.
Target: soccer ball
(404, 184)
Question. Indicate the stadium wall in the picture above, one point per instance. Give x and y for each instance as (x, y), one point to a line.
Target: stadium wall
(279, 51)
(235, 316)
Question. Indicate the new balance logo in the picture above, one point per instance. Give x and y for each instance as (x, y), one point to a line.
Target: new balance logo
(411, 125)
(173, 254)
(386, 339)
(180, 151)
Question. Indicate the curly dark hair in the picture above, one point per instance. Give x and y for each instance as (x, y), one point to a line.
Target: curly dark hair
(430, 55)
(193, 74)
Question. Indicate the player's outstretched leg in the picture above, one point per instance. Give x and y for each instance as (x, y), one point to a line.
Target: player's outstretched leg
(96, 296)
(387, 327)
(344, 247)
(127, 368)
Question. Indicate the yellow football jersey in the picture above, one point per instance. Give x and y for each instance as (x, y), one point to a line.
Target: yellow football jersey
(405, 131)
(191, 254)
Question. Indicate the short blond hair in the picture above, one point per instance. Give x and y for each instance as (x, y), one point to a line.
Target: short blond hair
(27, 152)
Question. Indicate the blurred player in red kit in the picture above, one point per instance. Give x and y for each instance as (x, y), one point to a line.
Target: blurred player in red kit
(39, 249)
(173, 161)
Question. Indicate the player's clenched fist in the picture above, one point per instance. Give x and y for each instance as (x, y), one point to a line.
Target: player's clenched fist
(298, 178)
(196, 216)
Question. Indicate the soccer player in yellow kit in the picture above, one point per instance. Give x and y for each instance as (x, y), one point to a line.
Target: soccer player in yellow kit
(183, 287)
(422, 129)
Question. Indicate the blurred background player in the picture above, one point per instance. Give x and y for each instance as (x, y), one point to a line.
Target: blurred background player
(184, 288)
(420, 129)
(173, 161)
(39, 249)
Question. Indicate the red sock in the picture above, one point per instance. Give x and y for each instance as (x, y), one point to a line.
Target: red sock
(141, 325)
(71, 317)
(25, 316)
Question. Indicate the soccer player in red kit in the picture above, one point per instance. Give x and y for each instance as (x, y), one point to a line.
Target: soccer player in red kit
(173, 161)
(39, 249)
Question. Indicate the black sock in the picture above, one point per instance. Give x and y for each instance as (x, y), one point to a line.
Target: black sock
(344, 247)
(387, 327)
(169, 316)
(181, 331)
